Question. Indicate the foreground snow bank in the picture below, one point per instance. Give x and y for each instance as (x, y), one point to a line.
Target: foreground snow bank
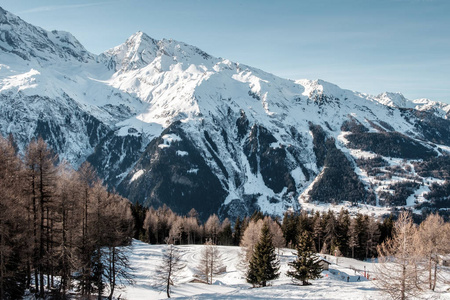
(145, 258)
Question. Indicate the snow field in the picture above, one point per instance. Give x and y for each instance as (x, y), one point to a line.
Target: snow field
(145, 259)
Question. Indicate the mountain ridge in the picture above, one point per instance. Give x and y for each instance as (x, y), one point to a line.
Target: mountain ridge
(157, 118)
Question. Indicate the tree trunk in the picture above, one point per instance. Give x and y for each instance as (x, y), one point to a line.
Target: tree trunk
(2, 262)
(169, 275)
(48, 250)
(168, 286)
(429, 273)
(403, 283)
(435, 276)
(41, 251)
(35, 226)
(112, 281)
(42, 231)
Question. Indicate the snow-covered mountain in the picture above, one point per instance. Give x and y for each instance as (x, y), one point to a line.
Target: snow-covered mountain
(164, 122)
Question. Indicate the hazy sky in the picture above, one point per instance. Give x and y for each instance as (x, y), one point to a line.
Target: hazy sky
(369, 46)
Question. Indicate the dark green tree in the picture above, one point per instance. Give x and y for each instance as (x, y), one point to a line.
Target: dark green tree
(237, 232)
(139, 213)
(257, 215)
(306, 266)
(263, 265)
(386, 228)
(343, 225)
(290, 227)
(226, 234)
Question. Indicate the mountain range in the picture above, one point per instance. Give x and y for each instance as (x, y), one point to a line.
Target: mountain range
(163, 122)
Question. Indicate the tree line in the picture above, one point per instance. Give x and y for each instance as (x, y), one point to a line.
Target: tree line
(333, 233)
(60, 229)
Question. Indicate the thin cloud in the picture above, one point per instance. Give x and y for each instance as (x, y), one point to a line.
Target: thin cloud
(60, 7)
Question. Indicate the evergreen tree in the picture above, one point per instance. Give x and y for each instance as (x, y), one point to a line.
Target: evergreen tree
(306, 265)
(386, 228)
(290, 227)
(139, 213)
(343, 232)
(237, 232)
(361, 223)
(263, 265)
(352, 237)
(257, 215)
(226, 233)
(331, 230)
(318, 228)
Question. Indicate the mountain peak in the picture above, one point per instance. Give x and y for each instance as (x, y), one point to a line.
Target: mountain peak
(141, 37)
(392, 99)
(29, 42)
(137, 51)
(2, 13)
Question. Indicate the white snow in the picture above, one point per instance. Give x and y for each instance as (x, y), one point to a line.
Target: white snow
(144, 260)
(20, 82)
(141, 87)
(137, 175)
(168, 139)
(182, 153)
(192, 171)
(333, 285)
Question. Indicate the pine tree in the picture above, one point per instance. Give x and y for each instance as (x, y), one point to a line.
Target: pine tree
(237, 232)
(353, 237)
(318, 230)
(290, 227)
(373, 236)
(226, 233)
(306, 265)
(263, 265)
(330, 232)
(342, 232)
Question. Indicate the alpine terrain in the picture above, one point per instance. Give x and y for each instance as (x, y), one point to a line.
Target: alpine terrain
(163, 122)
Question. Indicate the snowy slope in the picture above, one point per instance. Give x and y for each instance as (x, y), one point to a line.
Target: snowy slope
(244, 139)
(145, 259)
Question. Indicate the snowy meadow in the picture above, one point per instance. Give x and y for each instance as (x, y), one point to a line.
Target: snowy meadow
(145, 258)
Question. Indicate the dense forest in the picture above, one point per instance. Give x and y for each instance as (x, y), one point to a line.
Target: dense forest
(58, 223)
(333, 233)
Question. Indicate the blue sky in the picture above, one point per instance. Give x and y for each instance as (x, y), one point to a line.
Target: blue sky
(369, 46)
